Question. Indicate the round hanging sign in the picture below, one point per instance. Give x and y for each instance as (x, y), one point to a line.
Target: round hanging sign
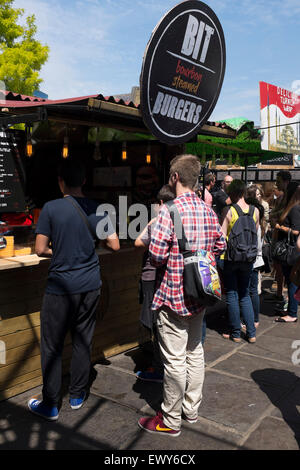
(183, 71)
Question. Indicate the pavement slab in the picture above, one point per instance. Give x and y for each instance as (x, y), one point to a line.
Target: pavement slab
(233, 402)
(245, 365)
(273, 434)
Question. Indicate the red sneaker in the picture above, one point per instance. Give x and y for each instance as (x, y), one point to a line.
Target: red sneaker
(156, 426)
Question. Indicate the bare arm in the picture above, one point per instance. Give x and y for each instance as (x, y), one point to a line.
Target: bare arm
(139, 243)
(226, 218)
(285, 229)
(298, 243)
(42, 246)
(112, 242)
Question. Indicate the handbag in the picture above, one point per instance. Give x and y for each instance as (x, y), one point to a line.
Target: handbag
(285, 252)
(201, 280)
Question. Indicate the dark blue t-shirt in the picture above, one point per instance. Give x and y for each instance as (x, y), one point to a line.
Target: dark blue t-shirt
(74, 265)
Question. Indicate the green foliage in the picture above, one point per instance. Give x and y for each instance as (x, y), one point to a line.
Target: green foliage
(21, 55)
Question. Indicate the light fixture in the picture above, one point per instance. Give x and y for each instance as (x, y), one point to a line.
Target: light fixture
(29, 148)
(124, 151)
(65, 150)
(148, 156)
(97, 153)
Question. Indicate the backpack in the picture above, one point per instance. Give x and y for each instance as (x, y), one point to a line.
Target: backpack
(201, 280)
(242, 240)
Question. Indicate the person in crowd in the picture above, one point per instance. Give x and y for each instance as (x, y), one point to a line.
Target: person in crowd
(221, 198)
(255, 280)
(179, 318)
(70, 225)
(289, 222)
(209, 183)
(283, 188)
(287, 189)
(260, 196)
(154, 373)
(238, 265)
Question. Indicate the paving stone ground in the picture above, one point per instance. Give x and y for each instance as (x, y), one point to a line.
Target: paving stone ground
(251, 400)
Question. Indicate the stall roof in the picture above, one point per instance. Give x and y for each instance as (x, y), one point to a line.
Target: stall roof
(91, 110)
(245, 149)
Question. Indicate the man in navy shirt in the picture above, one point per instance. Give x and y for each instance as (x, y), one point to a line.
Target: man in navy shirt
(70, 225)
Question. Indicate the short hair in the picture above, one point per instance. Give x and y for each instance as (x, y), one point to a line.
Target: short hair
(284, 175)
(188, 169)
(237, 188)
(165, 194)
(209, 178)
(72, 172)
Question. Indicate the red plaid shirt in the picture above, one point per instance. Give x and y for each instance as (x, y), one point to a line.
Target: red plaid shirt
(202, 231)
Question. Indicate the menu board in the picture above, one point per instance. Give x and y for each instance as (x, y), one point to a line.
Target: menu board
(12, 198)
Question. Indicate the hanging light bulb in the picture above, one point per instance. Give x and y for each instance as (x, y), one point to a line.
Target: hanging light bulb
(97, 153)
(148, 156)
(29, 148)
(65, 150)
(124, 151)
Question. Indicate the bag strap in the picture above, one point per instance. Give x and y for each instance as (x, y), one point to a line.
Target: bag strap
(82, 214)
(238, 209)
(178, 227)
(251, 211)
(241, 212)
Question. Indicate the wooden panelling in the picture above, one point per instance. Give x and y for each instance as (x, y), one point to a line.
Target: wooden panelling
(21, 295)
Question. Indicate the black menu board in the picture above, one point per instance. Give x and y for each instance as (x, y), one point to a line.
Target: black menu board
(12, 198)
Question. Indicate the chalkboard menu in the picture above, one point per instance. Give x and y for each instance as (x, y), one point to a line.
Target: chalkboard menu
(12, 197)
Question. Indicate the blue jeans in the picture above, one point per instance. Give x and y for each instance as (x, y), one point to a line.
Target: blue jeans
(236, 281)
(253, 288)
(292, 288)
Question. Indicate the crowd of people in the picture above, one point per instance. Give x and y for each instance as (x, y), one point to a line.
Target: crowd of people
(235, 225)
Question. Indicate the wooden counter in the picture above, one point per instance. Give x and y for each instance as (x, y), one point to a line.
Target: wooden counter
(22, 285)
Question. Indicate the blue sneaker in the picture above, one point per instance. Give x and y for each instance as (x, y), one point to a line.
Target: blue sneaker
(77, 403)
(44, 411)
(150, 375)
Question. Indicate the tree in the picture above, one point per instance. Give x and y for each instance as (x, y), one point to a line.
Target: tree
(21, 55)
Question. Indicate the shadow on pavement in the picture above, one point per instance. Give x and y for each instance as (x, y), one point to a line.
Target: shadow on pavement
(288, 402)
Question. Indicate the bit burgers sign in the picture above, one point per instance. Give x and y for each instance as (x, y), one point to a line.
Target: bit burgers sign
(183, 72)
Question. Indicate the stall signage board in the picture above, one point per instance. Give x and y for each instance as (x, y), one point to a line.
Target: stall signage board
(280, 119)
(183, 72)
(286, 159)
(11, 186)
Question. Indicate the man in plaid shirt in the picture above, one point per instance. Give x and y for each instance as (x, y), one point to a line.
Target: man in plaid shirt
(179, 319)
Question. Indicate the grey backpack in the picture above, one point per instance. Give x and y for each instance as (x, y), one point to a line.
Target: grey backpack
(242, 240)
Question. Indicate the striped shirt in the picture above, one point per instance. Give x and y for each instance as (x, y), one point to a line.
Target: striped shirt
(202, 231)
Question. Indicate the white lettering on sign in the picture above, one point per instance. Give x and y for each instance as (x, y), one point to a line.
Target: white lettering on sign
(174, 108)
(193, 39)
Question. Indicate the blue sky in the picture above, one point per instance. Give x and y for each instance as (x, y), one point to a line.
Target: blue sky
(97, 46)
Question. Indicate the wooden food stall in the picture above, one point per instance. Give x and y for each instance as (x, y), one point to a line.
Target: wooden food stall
(76, 123)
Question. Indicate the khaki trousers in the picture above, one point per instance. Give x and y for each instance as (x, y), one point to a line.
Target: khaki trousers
(182, 355)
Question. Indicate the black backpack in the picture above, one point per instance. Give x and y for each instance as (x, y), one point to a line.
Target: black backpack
(242, 240)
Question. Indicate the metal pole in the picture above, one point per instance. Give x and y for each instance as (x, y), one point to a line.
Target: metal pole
(246, 170)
